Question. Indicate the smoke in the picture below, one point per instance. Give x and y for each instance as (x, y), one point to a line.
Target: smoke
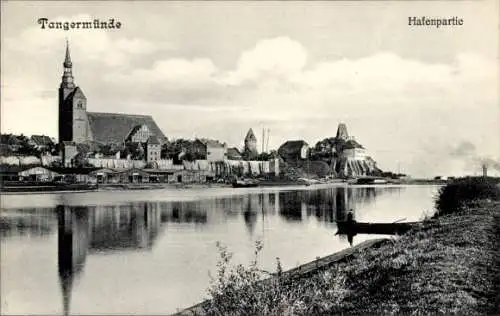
(467, 151)
(490, 163)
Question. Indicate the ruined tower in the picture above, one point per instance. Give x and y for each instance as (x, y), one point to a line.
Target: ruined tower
(342, 132)
(251, 142)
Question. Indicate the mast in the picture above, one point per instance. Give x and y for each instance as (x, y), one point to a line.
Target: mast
(263, 140)
(267, 143)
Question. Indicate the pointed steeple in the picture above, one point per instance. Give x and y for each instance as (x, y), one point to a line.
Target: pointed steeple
(67, 78)
(67, 59)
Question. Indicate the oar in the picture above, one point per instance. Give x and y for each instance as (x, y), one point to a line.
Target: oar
(399, 220)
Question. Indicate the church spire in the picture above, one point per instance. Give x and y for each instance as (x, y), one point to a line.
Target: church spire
(67, 78)
(67, 59)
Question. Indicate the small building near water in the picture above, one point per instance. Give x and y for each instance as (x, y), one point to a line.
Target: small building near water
(133, 175)
(37, 174)
(27, 173)
(104, 175)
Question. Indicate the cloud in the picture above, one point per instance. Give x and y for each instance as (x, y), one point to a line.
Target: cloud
(177, 70)
(467, 152)
(463, 149)
(276, 58)
(403, 110)
(96, 46)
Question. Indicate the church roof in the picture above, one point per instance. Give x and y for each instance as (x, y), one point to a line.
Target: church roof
(115, 127)
(153, 140)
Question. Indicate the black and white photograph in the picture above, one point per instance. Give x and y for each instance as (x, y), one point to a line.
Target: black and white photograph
(250, 157)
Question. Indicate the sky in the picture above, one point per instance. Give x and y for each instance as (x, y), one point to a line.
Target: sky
(415, 97)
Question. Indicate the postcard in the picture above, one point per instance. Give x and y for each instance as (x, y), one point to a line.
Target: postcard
(249, 157)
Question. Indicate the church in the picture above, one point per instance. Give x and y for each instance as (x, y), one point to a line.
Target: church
(77, 125)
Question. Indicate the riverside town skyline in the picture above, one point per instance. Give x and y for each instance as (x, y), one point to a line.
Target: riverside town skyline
(421, 108)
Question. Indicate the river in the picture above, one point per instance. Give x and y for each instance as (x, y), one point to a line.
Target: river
(150, 252)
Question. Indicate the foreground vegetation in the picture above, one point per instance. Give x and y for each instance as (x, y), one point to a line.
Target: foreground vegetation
(449, 265)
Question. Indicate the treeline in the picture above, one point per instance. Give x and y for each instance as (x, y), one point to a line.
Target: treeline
(22, 145)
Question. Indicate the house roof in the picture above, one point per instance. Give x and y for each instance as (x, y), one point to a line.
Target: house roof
(9, 139)
(153, 140)
(75, 170)
(210, 142)
(115, 127)
(41, 140)
(351, 144)
(233, 152)
(10, 169)
(292, 146)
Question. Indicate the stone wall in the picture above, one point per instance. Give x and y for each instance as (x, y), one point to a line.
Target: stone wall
(20, 160)
(116, 163)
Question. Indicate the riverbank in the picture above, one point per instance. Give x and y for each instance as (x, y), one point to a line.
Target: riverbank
(448, 265)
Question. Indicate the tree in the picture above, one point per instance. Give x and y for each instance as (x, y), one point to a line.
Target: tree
(26, 149)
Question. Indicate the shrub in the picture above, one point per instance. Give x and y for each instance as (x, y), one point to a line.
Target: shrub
(463, 192)
(240, 290)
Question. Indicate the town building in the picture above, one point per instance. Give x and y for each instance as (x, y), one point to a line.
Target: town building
(293, 150)
(37, 174)
(209, 149)
(69, 151)
(40, 142)
(353, 150)
(78, 125)
(153, 149)
(233, 154)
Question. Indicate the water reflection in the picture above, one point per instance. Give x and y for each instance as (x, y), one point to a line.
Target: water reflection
(104, 230)
(73, 241)
(28, 222)
(136, 225)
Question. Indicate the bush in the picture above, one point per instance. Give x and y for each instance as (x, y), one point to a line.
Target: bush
(463, 192)
(240, 290)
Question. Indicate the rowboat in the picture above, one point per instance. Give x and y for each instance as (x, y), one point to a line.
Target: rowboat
(353, 227)
(38, 187)
(245, 183)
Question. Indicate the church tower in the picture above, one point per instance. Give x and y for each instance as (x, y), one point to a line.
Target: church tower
(73, 121)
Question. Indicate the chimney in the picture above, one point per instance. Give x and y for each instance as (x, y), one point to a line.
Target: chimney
(485, 170)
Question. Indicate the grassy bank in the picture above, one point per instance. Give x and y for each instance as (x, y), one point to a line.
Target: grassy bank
(449, 265)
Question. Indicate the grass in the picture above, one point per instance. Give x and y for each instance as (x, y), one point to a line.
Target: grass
(450, 265)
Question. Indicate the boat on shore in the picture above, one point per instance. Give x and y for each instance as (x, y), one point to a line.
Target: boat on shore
(39, 187)
(367, 180)
(245, 183)
(279, 182)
